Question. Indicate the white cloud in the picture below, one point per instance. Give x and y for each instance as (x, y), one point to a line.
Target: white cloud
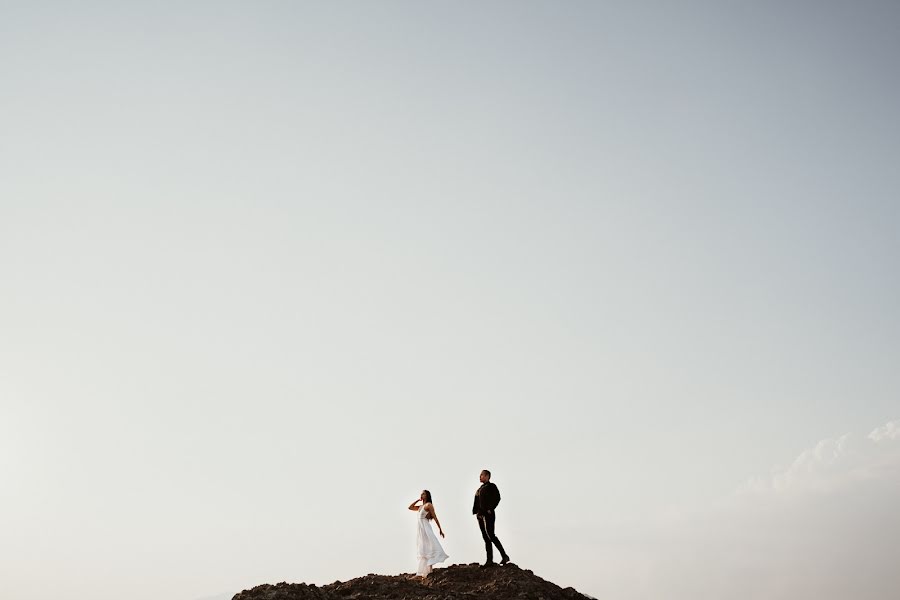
(886, 433)
(836, 462)
(826, 526)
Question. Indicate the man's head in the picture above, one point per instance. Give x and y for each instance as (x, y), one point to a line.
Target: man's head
(485, 476)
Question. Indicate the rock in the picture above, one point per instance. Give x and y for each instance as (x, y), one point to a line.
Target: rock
(456, 582)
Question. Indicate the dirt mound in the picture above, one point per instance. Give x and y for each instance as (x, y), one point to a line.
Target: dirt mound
(456, 582)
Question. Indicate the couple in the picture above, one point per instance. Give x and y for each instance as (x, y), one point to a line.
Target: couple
(429, 549)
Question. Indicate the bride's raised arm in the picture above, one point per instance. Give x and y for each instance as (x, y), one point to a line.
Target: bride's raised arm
(413, 505)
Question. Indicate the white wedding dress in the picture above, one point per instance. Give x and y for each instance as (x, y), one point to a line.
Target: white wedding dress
(428, 547)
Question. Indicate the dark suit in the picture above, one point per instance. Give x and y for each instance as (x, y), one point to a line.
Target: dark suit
(487, 497)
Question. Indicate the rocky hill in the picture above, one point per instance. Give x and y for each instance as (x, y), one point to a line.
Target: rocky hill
(456, 582)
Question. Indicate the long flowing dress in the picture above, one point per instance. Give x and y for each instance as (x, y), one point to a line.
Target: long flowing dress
(428, 548)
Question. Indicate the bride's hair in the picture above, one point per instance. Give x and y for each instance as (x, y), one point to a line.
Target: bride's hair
(427, 500)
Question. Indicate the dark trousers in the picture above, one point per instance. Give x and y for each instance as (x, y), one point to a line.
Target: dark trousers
(486, 523)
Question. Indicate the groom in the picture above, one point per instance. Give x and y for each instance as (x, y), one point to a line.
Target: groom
(487, 497)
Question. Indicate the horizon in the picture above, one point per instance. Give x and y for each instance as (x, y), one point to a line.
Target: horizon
(267, 271)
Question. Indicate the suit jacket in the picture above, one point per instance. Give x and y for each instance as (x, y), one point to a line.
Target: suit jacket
(487, 497)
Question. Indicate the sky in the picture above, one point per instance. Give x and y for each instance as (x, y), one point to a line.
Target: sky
(269, 269)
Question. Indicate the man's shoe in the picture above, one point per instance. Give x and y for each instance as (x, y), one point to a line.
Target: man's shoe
(488, 565)
(505, 560)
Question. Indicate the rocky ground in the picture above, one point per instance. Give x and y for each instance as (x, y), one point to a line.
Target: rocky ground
(456, 582)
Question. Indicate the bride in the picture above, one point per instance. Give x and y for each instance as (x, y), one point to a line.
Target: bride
(428, 547)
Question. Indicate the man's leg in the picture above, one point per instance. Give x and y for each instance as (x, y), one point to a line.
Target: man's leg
(487, 540)
(490, 520)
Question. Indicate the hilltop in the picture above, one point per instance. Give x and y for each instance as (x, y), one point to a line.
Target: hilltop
(456, 582)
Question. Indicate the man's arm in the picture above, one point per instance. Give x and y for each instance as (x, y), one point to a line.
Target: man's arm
(495, 497)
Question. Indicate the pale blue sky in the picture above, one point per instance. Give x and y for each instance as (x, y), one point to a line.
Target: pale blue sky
(268, 269)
